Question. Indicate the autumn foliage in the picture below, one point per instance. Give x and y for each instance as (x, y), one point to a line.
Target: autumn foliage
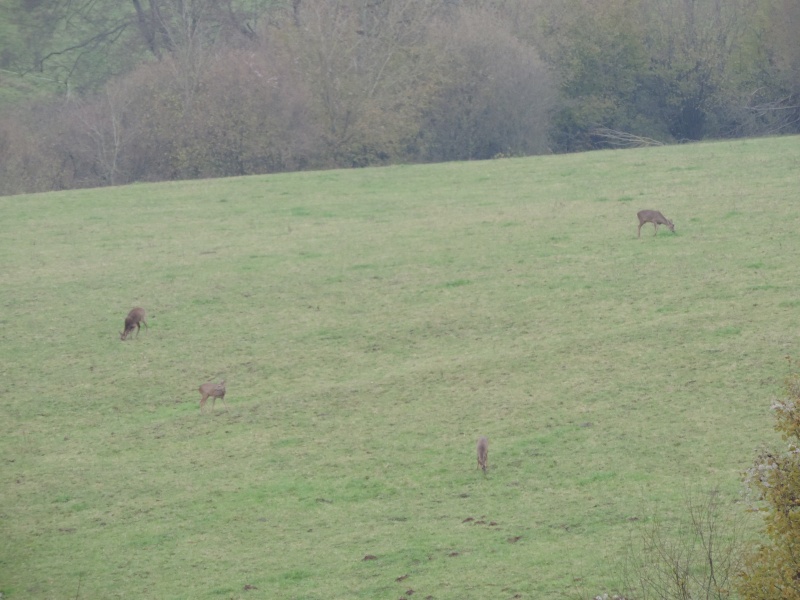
(106, 92)
(772, 572)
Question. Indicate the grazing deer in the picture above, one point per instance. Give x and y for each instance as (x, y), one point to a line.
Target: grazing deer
(483, 453)
(654, 217)
(135, 318)
(213, 391)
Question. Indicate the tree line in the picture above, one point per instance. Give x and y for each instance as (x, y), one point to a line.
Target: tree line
(98, 92)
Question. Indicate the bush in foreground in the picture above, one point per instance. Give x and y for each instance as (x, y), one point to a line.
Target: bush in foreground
(773, 570)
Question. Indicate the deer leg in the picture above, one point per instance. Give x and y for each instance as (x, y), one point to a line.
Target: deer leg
(203, 402)
(223, 402)
(639, 231)
(655, 225)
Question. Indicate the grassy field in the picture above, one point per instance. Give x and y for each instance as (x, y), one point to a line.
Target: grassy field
(371, 325)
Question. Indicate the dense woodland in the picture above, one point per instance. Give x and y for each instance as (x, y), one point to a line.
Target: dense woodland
(103, 92)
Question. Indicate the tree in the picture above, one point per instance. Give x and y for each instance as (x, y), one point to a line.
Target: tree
(493, 95)
(66, 44)
(597, 51)
(665, 70)
(773, 85)
(80, 45)
(367, 68)
(691, 46)
(772, 572)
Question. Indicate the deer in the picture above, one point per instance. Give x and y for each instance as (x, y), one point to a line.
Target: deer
(213, 391)
(135, 318)
(483, 453)
(654, 217)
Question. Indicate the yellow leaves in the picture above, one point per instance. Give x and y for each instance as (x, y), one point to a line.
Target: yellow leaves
(772, 571)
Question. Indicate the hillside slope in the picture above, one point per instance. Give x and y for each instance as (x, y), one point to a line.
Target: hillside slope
(371, 325)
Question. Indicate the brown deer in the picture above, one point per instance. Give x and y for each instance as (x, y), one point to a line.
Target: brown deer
(483, 453)
(654, 217)
(213, 391)
(135, 318)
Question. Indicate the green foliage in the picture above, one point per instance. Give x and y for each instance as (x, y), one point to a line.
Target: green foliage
(775, 78)
(598, 52)
(66, 48)
(773, 572)
(665, 70)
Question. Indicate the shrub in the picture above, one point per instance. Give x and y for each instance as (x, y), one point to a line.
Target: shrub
(772, 571)
(697, 558)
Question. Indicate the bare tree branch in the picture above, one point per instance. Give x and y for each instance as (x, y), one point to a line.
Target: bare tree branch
(91, 43)
(623, 139)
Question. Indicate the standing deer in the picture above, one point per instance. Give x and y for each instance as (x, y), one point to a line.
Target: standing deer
(483, 453)
(135, 318)
(213, 391)
(654, 217)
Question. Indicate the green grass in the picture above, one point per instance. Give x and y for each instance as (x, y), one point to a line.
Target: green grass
(371, 324)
